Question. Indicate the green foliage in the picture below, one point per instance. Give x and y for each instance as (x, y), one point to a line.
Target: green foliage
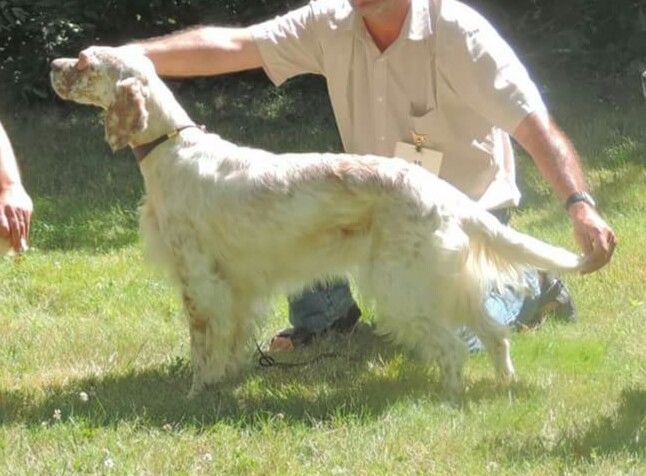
(35, 32)
(601, 35)
(31, 36)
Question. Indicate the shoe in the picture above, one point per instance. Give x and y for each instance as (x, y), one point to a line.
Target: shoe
(348, 322)
(556, 299)
(288, 339)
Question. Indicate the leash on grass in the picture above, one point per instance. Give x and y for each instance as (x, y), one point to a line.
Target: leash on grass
(265, 360)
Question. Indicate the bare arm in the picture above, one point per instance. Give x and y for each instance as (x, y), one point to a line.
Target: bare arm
(558, 161)
(9, 174)
(15, 204)
(202, 51)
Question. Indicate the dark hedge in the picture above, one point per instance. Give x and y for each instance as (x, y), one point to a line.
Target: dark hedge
(602, 35)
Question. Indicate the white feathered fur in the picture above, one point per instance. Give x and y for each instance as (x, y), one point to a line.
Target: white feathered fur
(235, 225)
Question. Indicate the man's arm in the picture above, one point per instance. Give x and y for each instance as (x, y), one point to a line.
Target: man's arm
(558, 162)
(202, 51)
(15, 204)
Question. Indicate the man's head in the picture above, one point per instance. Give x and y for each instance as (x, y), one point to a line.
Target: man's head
(115, 79)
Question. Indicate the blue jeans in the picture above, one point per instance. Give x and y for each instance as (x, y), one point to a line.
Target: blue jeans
(316, 309)
(511, 307)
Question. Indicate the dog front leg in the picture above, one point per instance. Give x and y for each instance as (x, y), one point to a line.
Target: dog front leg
(210, 323)
(450, 354)
(247, 312)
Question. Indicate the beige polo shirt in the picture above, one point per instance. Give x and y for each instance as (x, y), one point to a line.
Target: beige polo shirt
(449, 75)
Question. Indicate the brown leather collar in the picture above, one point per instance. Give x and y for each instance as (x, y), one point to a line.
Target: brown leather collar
(142, 151)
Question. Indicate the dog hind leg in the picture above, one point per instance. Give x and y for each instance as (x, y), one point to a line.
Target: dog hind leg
(496, 341)
(443, 346)
(410, 314)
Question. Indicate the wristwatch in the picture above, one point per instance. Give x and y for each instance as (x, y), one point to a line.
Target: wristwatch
(580, 197)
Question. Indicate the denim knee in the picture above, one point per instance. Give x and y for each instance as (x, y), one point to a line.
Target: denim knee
(316, 309)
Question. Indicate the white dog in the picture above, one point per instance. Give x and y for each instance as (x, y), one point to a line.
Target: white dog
(235, 225)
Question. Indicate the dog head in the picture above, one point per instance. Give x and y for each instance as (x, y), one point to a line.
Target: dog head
(115, 79)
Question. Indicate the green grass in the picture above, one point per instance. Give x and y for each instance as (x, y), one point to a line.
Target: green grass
(82, 314)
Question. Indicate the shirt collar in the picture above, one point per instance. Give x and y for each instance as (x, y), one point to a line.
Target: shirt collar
(418, 22)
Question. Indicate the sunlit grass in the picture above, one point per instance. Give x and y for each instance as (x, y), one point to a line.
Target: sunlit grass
(94, 351)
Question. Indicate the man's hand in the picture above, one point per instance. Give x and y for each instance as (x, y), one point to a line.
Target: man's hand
(15, 216)
(594, 235)
(558, 162)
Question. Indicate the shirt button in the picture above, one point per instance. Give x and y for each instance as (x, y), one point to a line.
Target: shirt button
(382, 138)
(380, 99)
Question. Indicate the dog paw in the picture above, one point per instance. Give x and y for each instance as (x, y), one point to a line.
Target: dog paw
(197, 388)
(506, 377)
(453, 389)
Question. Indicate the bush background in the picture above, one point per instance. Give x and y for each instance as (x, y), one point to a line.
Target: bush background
(602, 37)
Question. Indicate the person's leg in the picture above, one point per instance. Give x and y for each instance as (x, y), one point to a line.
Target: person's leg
(509, 307)
(325, 306)
(316, 309)
(524, 308)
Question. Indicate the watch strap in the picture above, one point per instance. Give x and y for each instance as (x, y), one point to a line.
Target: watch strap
(580, 197)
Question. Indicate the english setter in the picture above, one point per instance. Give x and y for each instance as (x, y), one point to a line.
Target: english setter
(236, 225)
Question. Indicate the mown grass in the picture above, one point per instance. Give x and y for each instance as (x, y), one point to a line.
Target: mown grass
(94, 368)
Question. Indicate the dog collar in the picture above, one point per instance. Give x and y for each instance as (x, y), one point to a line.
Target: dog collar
(143, 150)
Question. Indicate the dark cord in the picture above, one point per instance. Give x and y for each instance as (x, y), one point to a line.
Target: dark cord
(265, 360)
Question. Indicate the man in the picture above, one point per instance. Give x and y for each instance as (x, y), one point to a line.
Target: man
(434, 70)
(15, 204)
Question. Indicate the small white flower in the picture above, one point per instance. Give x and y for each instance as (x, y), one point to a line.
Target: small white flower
(57, 415)
(167, 427)
(84, 397)
(208, 457)
(108, 462)
(492, 466)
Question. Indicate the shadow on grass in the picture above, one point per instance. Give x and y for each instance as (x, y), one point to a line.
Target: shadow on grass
(366, 382)
(70, 223)
(84, 197)
(623, 431)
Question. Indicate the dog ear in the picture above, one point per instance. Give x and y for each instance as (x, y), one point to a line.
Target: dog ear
(127, 114)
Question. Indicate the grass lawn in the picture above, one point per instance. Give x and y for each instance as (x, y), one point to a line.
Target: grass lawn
(94, 350)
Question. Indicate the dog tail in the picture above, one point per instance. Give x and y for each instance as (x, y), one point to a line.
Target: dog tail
(518, 249)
